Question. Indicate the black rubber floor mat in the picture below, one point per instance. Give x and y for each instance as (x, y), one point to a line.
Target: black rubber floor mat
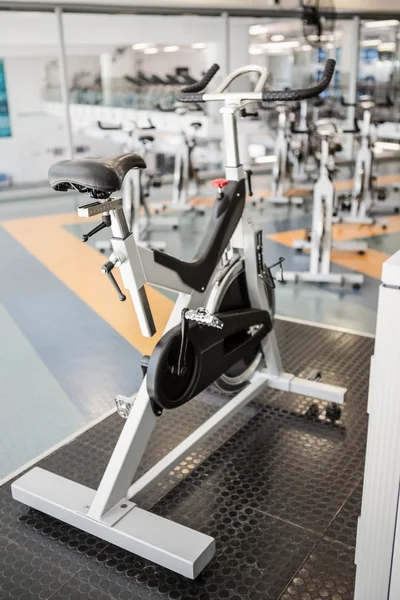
(269, 486)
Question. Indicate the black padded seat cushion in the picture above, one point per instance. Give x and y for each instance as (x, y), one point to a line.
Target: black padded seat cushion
(103, 175)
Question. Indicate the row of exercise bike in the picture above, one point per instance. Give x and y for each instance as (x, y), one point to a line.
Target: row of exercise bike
(220, 334)
(305, 150)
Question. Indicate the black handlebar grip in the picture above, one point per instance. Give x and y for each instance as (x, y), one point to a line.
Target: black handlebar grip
(346, 104)
(108, 127)
(302, 94)
(199, 86)
(192, 97)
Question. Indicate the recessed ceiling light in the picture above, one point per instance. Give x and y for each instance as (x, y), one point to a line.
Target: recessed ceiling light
(387, 47)
(170, 48)
(376, 24)
(199, 46)
(255, 49)
(139, 46)
(372, 43)
(288, 44)
(258, 29)
(150, 50)
(277, 38)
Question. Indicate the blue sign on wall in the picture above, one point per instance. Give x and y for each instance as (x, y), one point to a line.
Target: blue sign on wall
(5, 125)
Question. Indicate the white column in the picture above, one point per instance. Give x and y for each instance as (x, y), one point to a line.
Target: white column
(226, 44)
(106, 77)
(349, 62)
(113, 68)
(64, 81)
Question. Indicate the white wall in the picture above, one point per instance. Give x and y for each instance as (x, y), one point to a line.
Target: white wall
(36, 136)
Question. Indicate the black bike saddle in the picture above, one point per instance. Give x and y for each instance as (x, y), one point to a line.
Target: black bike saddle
(93, 175)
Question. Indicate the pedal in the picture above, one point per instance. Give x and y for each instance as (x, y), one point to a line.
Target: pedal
(124, 405)
(202, 316)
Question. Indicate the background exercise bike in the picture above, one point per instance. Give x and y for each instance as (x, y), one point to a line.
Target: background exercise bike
(221, 330)
(137, 188)
(319, 239)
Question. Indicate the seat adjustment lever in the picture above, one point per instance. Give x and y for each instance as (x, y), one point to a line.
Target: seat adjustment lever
(107, 270)
(105, 222)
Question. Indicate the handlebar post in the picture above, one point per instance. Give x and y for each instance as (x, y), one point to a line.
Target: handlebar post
(234, 172)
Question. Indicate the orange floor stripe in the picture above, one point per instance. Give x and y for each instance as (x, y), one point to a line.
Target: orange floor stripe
(369, 264)
(77, 265)
(341, 185)
(343, 232)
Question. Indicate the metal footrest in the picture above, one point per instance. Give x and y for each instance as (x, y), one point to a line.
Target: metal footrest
(297, 200)
(341, 278)
(350, 246)
(358, 220)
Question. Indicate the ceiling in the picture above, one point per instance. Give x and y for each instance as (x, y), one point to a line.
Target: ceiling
(238, 7)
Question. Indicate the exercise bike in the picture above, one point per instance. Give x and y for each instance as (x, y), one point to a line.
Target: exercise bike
(282, 179)
(362, 202)
(301, 155)
(221, 331)
(136, 189)
(186, 181)
(319, 239)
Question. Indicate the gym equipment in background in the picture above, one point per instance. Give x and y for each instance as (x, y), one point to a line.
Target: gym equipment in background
(282, 180)
(302, 158)
(362, 203)
(186, 182)
(378, 532)
(319, 239)
(137, 186)
(221, 331)
(318, 19)
(185, 173)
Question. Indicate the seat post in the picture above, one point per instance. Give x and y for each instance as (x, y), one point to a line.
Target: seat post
(119, 225)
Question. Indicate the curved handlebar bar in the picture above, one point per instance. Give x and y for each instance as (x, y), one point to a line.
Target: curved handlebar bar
(303, 94)
(355, 129)
(108, 127)
(195, 92)
(262, 80)
(199, 86)
(121, 127)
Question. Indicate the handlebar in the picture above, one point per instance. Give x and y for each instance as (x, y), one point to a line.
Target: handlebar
(194, 93)
(109, 127)
(355, 129)
(132, 126)
(303, 94)
(201, 85)
(346, 104)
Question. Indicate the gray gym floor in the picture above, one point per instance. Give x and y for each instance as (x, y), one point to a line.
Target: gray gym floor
(279, 489)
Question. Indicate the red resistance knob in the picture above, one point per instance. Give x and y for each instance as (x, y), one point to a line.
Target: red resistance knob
(220, 183)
